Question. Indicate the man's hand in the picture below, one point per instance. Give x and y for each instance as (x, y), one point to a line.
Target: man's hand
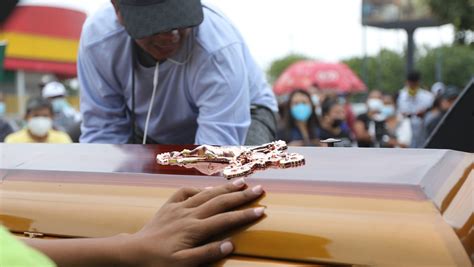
(179, 232)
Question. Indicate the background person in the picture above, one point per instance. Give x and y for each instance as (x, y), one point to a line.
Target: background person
(446, 100)
(66, 118)
(344, 100)
(333, 123)
(300, 126)
(397, 128)
(5, 126)
(413, 102)
(369, 127)
(39, 125)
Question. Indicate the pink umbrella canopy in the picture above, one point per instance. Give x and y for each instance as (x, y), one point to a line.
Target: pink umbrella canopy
(326, 76)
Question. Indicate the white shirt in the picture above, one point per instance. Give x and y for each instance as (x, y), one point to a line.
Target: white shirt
(407, 104)
(204, 101)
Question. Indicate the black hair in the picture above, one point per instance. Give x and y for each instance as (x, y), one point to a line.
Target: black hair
(35, 103)
(394, 96)
(450, 93)
(414, 76)
(312, 122)
(327, 106)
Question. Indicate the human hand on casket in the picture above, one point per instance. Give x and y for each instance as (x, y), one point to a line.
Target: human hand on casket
(178, 235)
(180, 230)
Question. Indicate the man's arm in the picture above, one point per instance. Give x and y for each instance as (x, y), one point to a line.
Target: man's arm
(221, 93)
(178, 235)
(103, 106)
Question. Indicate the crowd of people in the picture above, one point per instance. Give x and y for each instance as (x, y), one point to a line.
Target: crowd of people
(307, 117)
(172, 84)
(401, 120)
(211, 91)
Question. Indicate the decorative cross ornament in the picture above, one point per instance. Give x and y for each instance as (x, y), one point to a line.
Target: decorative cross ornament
(241, 161)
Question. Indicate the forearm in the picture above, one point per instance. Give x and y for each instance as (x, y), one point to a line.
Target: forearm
(84, 252)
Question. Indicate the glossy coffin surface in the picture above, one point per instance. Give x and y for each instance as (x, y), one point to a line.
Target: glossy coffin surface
(345, 206)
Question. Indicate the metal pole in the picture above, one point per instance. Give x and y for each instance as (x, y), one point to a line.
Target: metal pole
(439, 65)
(410, 49)
(364, 51)
(21, 91)
(3, 47)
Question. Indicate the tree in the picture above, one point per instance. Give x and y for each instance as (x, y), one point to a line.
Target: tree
(279, 66)
(456, 62)
(385, 71)
(460, 14)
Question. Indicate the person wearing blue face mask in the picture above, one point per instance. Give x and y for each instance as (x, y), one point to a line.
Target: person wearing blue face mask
(300, 122)
(5, 127)
(66, 118)
(398, 129)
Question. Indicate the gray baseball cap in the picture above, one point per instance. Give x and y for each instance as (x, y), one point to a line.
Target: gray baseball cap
(144, 18)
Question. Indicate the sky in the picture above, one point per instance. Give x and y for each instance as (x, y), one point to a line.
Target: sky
(328, 30)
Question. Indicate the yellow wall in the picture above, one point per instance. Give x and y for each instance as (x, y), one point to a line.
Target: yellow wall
(37, 47)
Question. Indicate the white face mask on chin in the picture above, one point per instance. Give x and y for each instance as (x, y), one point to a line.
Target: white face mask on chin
(40, 126)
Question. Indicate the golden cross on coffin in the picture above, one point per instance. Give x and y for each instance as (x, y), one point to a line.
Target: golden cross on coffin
(241, 161)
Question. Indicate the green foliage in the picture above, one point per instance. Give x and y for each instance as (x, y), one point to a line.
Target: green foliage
(384, 71)
(457, 64)
(279, 65)
(459, 13)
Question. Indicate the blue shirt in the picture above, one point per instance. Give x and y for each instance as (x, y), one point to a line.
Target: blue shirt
(204, 101)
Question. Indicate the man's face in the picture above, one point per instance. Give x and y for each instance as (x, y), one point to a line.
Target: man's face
(413, 85)
(164, 45)
(161, 45)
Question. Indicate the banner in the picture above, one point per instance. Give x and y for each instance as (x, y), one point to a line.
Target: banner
(398, 14)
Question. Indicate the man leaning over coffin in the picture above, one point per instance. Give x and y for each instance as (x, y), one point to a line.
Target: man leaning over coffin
(170, 72)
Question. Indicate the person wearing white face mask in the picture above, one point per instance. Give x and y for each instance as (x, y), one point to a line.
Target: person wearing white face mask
(39, 125)
(369, 127)
(398, 128)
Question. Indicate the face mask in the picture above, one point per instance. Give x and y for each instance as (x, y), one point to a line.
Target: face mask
(388, 111)
(336, 123)
(301, 112)
(315, 99)
(2, 109)
(40, 126)
(379, 117)
(341, 100)
(318, 111)
(59, 104)
(375, 104)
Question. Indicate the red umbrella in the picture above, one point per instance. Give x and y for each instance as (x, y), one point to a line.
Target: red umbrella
(326, 76)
